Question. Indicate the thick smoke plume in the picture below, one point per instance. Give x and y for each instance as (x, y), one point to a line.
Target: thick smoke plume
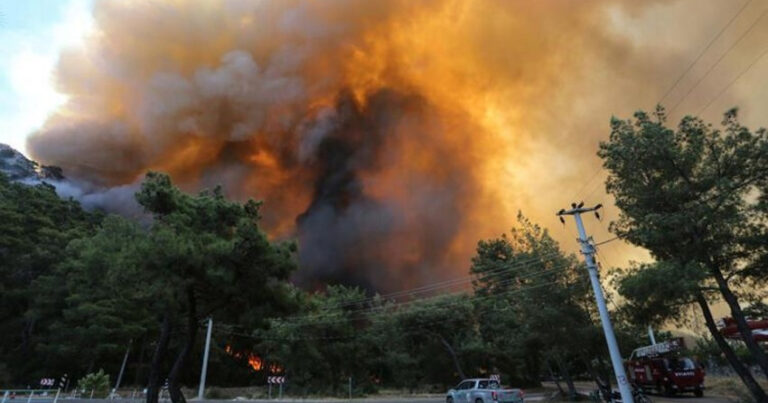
(387, 136)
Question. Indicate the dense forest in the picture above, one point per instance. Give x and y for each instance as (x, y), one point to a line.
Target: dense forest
(80, 288)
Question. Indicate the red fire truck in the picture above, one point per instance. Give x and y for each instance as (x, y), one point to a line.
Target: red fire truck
(662, 368)
(759, 329)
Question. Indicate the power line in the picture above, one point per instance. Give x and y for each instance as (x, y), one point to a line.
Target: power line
(711, 42)
(669, 90)
(593, 189)
(726, 53)
(421, 323)
(335, 317)
(735, 79)
(606, 241)
(334, 312)
(599, 256)
(584, 187)
(448, 283)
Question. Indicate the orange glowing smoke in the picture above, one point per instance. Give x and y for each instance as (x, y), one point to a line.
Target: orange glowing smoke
(388, 136)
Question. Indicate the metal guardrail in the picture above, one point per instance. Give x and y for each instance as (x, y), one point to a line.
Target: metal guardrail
(10, 395)
(56, 395)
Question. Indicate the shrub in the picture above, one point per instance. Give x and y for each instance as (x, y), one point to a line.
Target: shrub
(98, 382)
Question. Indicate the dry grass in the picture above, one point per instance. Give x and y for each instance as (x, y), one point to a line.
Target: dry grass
(731, 387)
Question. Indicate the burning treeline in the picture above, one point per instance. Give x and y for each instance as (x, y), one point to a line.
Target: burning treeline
(386, 136)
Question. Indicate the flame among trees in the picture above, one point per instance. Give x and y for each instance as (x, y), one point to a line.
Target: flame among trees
(254, 361)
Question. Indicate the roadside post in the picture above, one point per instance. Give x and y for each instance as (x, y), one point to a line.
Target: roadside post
(64, 383)
(650, 335)
(122, 370)
(204, 370)
(280, 380)
(588, 250)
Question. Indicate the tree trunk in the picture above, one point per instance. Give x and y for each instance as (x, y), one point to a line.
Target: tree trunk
(567, 376)
(140, 364)
(155, 371)
(607, 372)
(593, 373)
(730, 355)
(741, 322)
(174, 387)
(453, 356)
(554, 377)
(532, 364)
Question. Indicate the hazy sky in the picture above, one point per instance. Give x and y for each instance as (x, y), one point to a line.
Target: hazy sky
(32, 33)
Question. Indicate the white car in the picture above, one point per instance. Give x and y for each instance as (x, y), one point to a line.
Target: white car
(483, 390)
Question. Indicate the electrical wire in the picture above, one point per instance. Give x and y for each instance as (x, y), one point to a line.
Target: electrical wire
(606, 241)
(674, 85)
(383, 310)
(735, 79)
(420, 324)
(447, 283)
(701, 54)
(334, 312)
(720, 59)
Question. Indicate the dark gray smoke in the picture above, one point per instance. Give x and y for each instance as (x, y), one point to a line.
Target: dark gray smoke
(347, 236)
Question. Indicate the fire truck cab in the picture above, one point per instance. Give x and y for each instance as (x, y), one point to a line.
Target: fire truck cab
(662, 368)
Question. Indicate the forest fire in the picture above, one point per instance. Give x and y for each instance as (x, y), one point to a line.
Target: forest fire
(254, 360)
(369, 141)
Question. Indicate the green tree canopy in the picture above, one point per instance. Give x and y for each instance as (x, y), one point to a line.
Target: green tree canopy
(207, 256)
(37, 225)
(691, 196)
(532, 302)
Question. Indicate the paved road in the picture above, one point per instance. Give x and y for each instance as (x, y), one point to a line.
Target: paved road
(587, 387)
(533, 397)
(690, 399)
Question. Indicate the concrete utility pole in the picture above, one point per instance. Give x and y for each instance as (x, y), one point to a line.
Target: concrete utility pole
(122, 370)
(588, 251)
(204, 371)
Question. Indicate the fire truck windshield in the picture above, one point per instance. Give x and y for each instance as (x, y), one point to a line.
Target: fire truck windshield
(681, 364)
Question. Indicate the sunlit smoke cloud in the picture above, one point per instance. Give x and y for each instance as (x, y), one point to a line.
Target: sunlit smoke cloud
(386, 136)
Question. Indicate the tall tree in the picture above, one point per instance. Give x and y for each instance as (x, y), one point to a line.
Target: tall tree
(36, 226)
(323, 346)
(690, 196)
(342, 334)
(440, 331)
(91, 304)
(532, 295)
(207, 256)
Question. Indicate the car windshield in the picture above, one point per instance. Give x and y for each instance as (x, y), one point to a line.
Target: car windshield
(466, 385)
(681, 364)
(488, 384)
